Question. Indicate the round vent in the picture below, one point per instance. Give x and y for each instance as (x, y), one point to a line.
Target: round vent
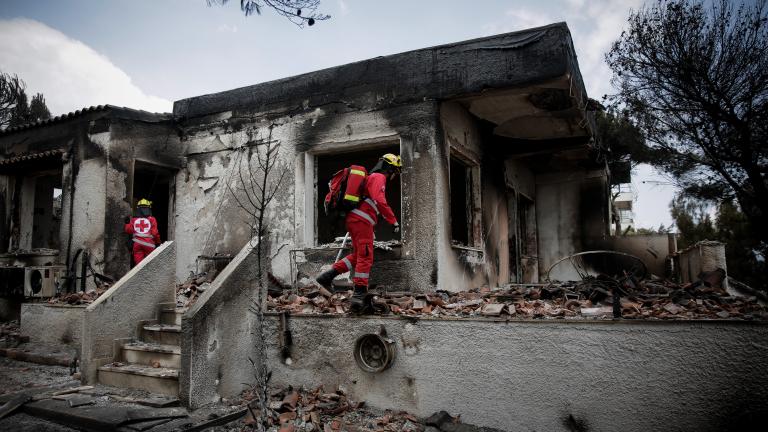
(374, 353)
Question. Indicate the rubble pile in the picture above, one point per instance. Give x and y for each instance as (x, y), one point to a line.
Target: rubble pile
(188, 292)
(317, 410)
(591, 298)
(10, 335)
(338, 241)
(77, 298)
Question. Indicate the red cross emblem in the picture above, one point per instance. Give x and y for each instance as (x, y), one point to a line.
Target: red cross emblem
(142, 225)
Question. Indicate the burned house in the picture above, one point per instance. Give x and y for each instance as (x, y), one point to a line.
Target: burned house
(501, 178)
(66, 185)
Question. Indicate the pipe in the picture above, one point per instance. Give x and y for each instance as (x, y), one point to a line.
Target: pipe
(343, 242)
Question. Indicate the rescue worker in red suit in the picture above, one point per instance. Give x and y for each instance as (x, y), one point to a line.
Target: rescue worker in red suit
(143, 230)
(360, 224)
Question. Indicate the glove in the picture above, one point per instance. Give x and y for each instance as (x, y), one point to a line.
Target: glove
(127, 219)
(396, 228)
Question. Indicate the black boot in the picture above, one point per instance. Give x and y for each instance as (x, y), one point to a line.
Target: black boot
(357, 301)
(326, 278)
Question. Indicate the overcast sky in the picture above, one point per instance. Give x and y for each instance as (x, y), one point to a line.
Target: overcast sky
(147, 53)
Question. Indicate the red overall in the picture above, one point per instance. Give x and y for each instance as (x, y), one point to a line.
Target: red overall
(360, 223)
(145, 236)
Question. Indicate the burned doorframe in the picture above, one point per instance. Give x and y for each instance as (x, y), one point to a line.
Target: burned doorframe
(156, 183)
(319, 166)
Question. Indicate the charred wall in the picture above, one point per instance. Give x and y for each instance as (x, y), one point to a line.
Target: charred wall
(485, 261)
(210, 220)
(571, 216)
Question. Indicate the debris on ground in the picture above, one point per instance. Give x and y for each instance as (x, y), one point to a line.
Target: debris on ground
(381, 245)
(19, 375)
(77, 298)
(10, 335)
(320, 410)
(188, 291)
(592, 298)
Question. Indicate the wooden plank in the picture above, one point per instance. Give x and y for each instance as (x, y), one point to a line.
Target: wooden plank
(12, 405)
(85, 418)
(219, 421)
(72, 390)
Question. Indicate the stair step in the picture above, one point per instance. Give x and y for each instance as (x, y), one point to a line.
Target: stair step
(171, 316)
(156, 380)
(163, 334)
(145, 353)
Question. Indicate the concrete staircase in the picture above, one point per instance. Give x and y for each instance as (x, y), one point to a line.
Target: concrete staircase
(151, 363)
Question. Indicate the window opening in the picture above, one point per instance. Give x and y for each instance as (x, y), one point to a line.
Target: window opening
(513, 236)
(528, 242)
(330, 227)
(46, 219)
(462, 203)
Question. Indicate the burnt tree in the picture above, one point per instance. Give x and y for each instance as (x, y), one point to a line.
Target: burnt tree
(259, 177)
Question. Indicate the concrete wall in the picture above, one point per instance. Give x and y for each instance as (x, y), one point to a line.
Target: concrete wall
(571, 216)
(118, 312)
(52, 324)
(217, 339)
(653, 249)
(609, 376)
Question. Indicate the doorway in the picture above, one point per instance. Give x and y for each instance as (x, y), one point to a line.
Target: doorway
(157, 184)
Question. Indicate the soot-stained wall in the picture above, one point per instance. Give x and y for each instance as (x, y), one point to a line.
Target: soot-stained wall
(486, 261)
(571, 216)
(210, 220)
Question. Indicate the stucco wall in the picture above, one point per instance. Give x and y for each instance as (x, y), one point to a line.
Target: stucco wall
(610, 376)
(52, 324)
(571, 216)
(117, 313)
(88, 218)
(653, 249)
(217, 340)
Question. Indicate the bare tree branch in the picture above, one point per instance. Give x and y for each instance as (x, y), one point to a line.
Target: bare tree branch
(299, 12)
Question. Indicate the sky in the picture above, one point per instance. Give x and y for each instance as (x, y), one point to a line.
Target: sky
(145, 54)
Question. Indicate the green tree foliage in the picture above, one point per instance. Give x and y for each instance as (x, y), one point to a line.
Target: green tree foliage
(299, 12)
(744, 252)
(693, 221)
(649, 231)
(38, 110)
(693, 77)
(616, 133)
(15, 108)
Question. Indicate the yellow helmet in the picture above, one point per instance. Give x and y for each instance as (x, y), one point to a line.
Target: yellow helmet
(144, 203)
(393, 160)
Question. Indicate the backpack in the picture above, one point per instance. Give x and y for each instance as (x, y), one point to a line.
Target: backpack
(345, 190)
